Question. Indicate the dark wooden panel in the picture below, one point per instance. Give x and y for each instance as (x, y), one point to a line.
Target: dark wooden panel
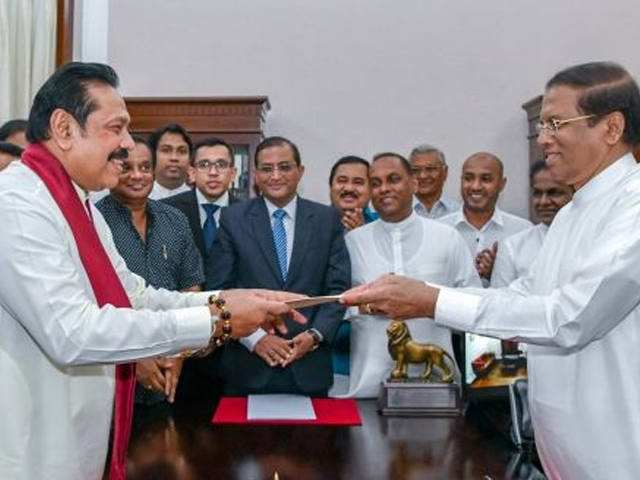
(64, 32)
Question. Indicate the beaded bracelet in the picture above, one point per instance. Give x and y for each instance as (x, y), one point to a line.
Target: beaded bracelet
(225, 316)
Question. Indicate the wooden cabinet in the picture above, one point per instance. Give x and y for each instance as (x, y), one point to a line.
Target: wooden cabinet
(238, 120)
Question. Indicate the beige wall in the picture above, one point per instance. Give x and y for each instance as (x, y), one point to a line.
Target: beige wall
(363, 76)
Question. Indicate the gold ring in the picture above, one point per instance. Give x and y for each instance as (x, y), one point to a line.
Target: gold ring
(367, 308)
(148, 386)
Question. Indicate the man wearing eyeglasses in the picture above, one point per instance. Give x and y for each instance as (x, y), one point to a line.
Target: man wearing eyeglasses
(282, 241)
(213, 171)
(429, 168)
(579, 307)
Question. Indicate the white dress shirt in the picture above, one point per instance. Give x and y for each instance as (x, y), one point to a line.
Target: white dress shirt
(158, 192)
(579, 311)
(57, 347)
(443, 206)
(415, 247)
(516, 254)
(289, 221)
(499, 226)
(223, 201)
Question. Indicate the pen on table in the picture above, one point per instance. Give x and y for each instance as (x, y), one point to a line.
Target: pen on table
(164, 251)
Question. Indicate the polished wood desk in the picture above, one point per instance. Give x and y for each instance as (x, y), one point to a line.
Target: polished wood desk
(184, 445)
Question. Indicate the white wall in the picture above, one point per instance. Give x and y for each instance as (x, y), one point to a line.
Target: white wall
(363, 76)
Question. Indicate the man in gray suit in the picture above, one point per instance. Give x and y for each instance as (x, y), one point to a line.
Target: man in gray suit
(285, 242)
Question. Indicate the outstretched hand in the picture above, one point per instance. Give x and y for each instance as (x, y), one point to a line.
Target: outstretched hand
(255, 308)
(395, 296)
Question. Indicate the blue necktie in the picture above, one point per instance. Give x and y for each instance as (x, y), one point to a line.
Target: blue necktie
(210, 227)
(280, 239)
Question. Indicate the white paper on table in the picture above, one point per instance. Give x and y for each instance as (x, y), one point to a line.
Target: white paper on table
(280, 407)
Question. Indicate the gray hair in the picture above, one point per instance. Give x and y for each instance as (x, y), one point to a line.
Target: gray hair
(426, 148)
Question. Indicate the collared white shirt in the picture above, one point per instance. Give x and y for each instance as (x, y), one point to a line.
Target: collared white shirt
(443, 206)
(516, 254)
(57, 347)
(415, 247)
(289, 221)
(222, 201)
(500, 225)
(158, 192)
(579, 310)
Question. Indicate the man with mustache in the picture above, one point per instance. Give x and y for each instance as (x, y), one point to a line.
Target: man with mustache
(349, 191)
(429, 167)
(72, 315)
(155, 242)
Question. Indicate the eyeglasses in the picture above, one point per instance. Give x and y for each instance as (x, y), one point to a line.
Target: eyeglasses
(553, 124)
(428, 170)
(285, 167)
(205, 166)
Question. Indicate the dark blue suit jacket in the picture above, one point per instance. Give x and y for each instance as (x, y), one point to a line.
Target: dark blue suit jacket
(187, 203)
(245, 257)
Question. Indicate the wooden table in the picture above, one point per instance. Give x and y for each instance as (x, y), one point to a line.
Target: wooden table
(184, 445)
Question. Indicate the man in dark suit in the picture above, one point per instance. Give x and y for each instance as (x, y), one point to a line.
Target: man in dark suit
(285, 242)
(213, 172)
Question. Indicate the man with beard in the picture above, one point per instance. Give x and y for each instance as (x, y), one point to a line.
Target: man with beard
(404, 243)
(155, 243)
(480, 222)
(70, 310)
(349, 191)
(429, 168)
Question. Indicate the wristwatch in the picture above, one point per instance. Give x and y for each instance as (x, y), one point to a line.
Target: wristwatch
(317, 337)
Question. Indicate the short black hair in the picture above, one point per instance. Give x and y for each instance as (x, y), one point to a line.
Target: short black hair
(605, 87)
(276, 141)
(348, 160)
(11, 149)
(403, 161)
(154, 138)
(12, 127)
(213, 142)
(67, 89)
(535, 168)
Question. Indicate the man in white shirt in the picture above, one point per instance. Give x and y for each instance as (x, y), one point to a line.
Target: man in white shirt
(429, 167)
(62, 278)
(480, 222)
(404, 243)
(171, 146)
(579, 307)
(517, 252)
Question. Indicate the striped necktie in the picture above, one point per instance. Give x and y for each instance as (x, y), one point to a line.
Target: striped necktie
(280, 240)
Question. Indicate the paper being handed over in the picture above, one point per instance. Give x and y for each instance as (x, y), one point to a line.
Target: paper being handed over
(311, 301)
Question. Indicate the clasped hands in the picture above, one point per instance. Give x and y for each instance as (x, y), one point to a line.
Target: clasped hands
(160, 375)
(277, 351)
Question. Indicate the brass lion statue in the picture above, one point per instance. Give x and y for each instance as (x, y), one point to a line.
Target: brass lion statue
(405, 351)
